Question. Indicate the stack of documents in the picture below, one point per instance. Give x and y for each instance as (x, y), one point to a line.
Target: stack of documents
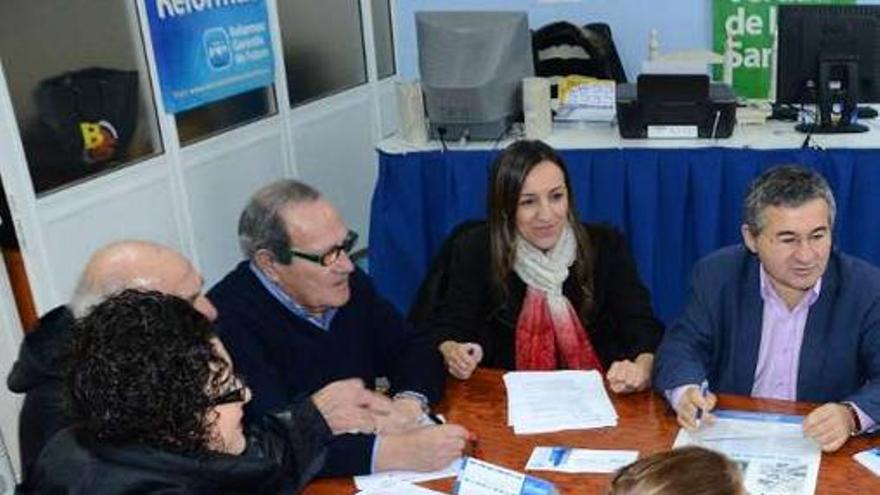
(771, 449)
(586, 99)
(546, 401)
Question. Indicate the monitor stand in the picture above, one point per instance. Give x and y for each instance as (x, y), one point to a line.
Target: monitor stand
(838, 94)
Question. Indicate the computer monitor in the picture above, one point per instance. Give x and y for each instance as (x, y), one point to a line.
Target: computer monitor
(472, 64)
(829, 55)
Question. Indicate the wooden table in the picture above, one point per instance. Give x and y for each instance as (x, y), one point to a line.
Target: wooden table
(644, 424)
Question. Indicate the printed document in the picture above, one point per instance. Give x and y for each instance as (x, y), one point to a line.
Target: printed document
(400, 488)
(771, 449)
(389, 478)
(482, 478)
(547, 401)
(569, 460)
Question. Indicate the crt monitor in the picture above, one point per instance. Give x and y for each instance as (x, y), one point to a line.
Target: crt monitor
(472, 65)
(829, 55)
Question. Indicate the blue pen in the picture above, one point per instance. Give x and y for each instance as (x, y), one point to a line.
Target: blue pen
(704, 389)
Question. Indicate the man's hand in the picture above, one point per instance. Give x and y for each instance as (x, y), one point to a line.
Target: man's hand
(428, 448)
(691, 401)
(348, 407)
(461, 359)
(630, 376)
(403, 415)
(830, 425)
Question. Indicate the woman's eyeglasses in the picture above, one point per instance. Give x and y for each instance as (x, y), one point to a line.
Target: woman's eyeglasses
(237, 393)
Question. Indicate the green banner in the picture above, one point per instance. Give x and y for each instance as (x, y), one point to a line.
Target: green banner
(752, 24)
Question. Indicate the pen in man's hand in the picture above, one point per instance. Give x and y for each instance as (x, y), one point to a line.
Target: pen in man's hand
(704, 390)
(434, 418)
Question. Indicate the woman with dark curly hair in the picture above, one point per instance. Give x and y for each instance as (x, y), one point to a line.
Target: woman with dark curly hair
(158, 409)
(535, 289)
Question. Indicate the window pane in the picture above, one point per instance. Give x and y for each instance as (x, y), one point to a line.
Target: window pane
(213, 118)
(79, 87)
(323, 47)
(382, 34)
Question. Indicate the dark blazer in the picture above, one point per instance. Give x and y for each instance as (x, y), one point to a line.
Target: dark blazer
(719, 334)
(621, 324)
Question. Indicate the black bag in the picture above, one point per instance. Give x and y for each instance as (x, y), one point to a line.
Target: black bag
(562, 49)
(91, 113)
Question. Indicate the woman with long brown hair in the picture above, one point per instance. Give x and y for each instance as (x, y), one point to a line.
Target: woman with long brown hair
(534, 288)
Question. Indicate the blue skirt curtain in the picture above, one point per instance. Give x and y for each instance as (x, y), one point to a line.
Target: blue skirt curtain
(674, 206)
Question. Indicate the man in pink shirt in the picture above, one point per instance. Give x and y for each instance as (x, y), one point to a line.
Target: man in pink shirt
(785, 316)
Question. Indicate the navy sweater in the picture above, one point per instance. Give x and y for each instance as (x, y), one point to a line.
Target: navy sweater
(284, 357)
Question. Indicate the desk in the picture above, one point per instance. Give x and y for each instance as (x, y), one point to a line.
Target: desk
(675, 200)
(644, 425)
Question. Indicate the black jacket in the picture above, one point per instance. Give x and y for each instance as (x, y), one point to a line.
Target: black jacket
(284, 451)
(38, 373)
(621, 324)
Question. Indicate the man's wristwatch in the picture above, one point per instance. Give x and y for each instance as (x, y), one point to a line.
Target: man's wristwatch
(857, 423)
(420, 398)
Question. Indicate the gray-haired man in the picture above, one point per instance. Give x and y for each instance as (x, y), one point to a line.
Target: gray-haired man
(783, 317)
(297, 313)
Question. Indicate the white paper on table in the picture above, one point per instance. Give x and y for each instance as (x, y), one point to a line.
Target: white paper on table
(482, 478)
(401, 488)
(771, 449)
(547, 401)
(569, 460)
(390, 478)
(870, 459)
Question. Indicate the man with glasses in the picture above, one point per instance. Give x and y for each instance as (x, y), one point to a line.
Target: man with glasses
(297, 314)
(783, 317)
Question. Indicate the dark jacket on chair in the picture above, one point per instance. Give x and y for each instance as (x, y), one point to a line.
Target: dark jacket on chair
(621, 324)
(39, 373)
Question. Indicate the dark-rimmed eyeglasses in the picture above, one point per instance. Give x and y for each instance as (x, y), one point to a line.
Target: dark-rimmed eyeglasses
(332, 255)
(237, 393)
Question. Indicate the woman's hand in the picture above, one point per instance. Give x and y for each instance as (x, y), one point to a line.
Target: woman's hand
(630, 376)
(461, 359)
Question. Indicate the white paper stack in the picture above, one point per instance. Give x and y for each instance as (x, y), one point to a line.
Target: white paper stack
(547, 401)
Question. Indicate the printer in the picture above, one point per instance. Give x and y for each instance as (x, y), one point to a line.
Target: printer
(675, 106)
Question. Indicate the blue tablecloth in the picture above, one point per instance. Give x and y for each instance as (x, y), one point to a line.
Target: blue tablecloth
(673, 205)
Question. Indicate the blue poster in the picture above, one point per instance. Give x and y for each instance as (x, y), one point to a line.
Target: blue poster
(207, 50)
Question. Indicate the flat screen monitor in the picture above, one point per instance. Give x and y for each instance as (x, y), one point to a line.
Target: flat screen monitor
(471, 65)
(829, 55)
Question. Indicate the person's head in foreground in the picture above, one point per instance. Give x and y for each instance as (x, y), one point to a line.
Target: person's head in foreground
(146, 368)
(788, 217)
(682, 471)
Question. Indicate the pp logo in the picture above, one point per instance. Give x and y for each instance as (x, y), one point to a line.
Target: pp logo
(217, 48)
